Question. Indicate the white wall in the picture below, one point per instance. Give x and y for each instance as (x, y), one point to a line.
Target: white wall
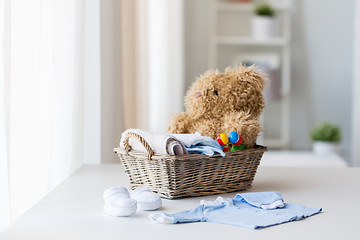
(196, 39)
(111, 103)
(321, 68)
(102, 86)
(92, 83)
(321, 63)
(356, 89)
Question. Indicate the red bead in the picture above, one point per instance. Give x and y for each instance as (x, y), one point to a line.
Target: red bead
(238, 143)
(222, 139)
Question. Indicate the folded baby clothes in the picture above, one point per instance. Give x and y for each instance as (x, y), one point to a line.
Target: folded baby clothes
(240, 212)
(163, 144)
(196, 143)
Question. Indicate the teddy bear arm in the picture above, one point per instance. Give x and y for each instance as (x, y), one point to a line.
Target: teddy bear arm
(179, 123)
(248, 128)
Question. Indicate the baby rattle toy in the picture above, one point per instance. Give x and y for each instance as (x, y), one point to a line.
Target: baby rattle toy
(223, 140)
(233, 138)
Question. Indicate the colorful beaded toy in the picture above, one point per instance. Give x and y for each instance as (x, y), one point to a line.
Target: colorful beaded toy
(233, 138)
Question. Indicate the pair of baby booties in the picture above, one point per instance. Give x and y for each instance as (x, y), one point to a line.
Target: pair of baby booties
(120, 203)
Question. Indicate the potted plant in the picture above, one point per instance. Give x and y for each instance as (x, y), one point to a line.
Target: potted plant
(263, 22)
(326, 138)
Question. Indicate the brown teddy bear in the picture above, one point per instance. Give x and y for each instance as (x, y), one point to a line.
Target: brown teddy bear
(223, 102)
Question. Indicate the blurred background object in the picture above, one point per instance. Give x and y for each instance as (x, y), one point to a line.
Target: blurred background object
(326, 138)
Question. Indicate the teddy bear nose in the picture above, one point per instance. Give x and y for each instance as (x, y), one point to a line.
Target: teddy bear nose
(198, 94)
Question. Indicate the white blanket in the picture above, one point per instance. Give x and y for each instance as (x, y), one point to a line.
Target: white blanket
(164, 144)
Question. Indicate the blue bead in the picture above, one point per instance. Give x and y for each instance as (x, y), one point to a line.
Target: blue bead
(233, 137)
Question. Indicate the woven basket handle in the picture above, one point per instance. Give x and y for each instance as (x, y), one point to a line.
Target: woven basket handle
(141, 140)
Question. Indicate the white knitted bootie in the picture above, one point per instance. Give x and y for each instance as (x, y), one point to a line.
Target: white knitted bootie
(118, 202)
(146, 200)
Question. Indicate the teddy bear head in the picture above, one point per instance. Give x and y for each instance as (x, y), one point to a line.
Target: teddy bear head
(214, 94)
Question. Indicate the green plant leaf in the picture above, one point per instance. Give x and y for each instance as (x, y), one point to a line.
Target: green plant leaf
(326, 132)
(264, 10)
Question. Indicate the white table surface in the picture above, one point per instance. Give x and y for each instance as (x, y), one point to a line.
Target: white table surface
(301, 159)
(74, 209)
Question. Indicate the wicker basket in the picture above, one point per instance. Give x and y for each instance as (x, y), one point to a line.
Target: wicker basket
(190, 174)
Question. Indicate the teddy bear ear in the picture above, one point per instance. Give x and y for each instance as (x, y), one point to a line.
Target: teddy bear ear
(257, 76)
(253, 74)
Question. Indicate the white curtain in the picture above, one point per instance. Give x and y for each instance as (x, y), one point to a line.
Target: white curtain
(41, 99)
(160, 62)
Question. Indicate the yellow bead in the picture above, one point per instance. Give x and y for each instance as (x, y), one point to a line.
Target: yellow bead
(222, 139)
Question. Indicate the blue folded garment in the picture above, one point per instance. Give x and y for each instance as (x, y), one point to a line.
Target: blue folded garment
(244, 211)
(207, 150)
(198, 144)
(265, 200)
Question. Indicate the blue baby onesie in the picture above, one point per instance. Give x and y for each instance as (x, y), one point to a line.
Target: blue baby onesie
(197, 144)
(248, 210)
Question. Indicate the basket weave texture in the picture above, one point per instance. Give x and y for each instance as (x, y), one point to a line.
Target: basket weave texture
(189, 175)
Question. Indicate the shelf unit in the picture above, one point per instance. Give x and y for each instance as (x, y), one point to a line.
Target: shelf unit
(234, 6)
(281, 43)
(233, 40)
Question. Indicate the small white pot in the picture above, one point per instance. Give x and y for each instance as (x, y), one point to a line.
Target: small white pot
(325, 148)
(262, 27)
